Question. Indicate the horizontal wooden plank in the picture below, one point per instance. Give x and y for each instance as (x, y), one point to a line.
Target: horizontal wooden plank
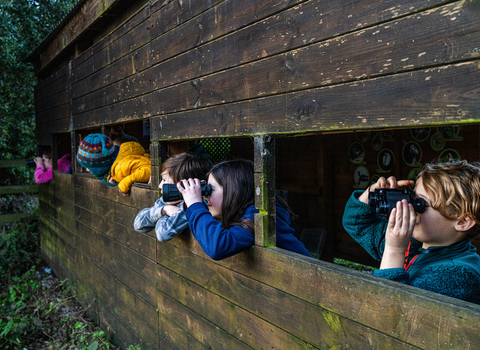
(137, 262)
(132, 35)
(54, 127)
(90, 12)
(67, 233)
(351, 293)
(338, 60)
(54, 84)
(118, 70)
(147, 335)
(122, 334)
(111, 210)
(50, 110)
(133, 109)
(224, 18)
(115, 268)
(300, 318)
(18, 189)
(63, 179)
(139, 197)
(140, 242)
(249, 328)
(4, 218)
(13, 163)
(214, 91)
(309, 22)
(182, 326)
(447, 94)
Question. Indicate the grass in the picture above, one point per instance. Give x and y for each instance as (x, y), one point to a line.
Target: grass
(38, 311)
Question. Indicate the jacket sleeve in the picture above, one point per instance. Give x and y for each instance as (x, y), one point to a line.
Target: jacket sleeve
(147, 218)
(142, 174)
(365, 226)
(42, 176)
(170, 226)
(217, 242)
(451, 280)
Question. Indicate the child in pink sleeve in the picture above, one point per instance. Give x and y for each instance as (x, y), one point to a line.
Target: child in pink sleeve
(44, 171)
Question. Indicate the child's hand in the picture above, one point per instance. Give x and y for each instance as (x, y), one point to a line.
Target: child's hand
(38, 162)
(399, 232)
(191, 191)
(391, 182)
(124, 194)
(170, 210)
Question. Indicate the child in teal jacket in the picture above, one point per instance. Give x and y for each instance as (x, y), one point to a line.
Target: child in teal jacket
(431, 250)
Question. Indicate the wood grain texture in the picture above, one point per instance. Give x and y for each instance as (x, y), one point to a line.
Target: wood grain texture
(447, 94)
(319, 327)
(244, 326)
(182, 326)
(384, 47)
(370, 301)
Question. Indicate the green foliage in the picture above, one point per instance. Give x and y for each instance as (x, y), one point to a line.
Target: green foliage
(18, 248)
(36, 309)
(24, 24)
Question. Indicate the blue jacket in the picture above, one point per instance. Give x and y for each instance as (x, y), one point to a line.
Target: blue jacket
(220, 243)
(452, 270)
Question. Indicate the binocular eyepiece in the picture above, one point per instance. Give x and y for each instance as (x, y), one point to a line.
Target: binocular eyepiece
(383, 200)
(171, 193)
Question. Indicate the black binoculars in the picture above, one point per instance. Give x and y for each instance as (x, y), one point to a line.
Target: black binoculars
(31, 163)
(383, 200)
(171, 193)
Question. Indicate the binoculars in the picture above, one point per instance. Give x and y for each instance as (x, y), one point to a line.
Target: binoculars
(383, 200)
(171, 193)
(31, 163)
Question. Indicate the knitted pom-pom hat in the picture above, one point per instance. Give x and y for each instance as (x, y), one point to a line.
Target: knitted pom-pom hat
(97, 153)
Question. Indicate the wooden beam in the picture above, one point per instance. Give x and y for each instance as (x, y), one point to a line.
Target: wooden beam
(18, 189)
(264, 167)
(441, 95)
(4, 218)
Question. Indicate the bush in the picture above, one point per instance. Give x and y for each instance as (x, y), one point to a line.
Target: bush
(37, 311)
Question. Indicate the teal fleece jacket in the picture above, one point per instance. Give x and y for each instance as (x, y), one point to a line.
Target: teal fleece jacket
(453, 270)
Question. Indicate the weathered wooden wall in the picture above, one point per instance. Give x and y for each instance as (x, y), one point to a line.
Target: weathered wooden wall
(240, 68)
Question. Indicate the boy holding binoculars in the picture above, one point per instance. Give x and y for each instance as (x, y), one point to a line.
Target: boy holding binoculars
(169, 218)
(430, 248)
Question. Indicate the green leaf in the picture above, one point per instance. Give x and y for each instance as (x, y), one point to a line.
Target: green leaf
(93, 346)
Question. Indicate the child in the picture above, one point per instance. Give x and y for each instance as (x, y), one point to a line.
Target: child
(44, 171)
(431, 250)
(126, 163)
(169, 218)
(225, 226)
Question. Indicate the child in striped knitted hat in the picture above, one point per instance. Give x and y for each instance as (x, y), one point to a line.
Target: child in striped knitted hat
(125, 164)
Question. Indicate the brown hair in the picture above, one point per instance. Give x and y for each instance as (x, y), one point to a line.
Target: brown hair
(454, 190)
(237, 179)
(186, 165)
(47, 151)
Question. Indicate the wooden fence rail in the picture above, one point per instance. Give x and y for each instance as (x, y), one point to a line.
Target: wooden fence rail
(15, 163)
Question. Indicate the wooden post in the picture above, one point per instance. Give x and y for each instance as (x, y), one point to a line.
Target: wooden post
(55, 152)
(159, 152)
(265, 220)
(75, 140)
(106, 130)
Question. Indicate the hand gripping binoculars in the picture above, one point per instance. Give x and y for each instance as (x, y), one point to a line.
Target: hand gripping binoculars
(171, 193)
(383, 200)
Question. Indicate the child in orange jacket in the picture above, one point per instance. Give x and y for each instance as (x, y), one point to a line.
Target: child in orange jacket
(126, 164)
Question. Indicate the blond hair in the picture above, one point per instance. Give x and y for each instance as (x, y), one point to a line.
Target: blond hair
(454, 190)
